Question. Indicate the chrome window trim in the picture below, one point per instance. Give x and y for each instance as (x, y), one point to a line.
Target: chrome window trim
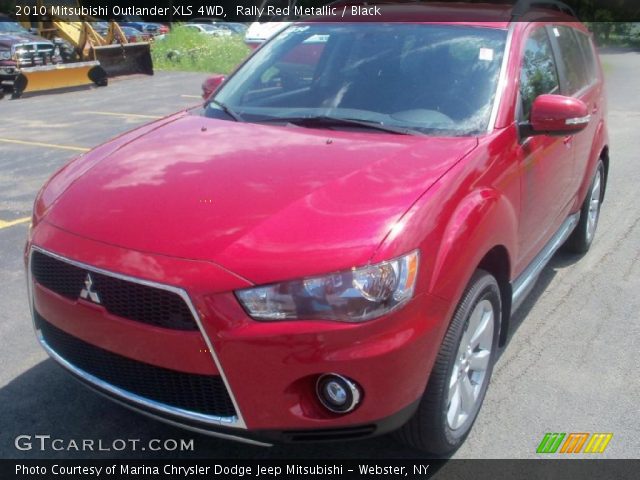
(235, 421)
(502, 80)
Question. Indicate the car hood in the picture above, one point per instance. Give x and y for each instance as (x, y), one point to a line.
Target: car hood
(7, 40)
(265, 202)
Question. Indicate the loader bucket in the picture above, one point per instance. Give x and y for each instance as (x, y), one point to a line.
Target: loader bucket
(125, 59)
(53, 77)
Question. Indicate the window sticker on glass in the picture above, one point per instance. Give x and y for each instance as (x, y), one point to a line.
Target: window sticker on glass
(317, 39)
(556, 32)
(298, 28)
(486, 54)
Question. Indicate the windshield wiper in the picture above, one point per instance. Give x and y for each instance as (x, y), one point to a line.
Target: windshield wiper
(225, 108)
(328, 121)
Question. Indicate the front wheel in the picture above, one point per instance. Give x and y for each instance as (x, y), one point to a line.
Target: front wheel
(461, 373)
(582, 237)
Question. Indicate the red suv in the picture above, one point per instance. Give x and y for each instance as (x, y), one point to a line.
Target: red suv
(333, 245)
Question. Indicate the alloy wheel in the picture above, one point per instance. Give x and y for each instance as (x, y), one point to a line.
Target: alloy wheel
(594, 205)
(470, 368)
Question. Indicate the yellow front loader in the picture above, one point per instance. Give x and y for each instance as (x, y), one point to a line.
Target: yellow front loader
(114, 52)
(94, 58)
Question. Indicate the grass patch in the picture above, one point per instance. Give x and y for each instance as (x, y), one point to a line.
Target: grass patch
(186, 50)
(620, 41)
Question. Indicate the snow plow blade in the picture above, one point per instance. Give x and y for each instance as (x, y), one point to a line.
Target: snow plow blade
(54, 77)
(125, 59)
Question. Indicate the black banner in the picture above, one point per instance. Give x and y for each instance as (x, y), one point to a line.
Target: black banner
(325, 469)
(286, 10)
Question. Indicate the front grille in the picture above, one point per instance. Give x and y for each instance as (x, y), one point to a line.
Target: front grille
(204, 394)
(34, 54)
(133, 301)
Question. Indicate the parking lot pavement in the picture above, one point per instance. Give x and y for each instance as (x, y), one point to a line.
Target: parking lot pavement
(570, 366)
(40, 133)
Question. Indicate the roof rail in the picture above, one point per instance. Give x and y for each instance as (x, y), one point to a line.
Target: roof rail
(523, 6)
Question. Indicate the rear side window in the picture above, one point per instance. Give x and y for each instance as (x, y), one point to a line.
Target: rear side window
(539, 74)
(589, 55)
(576, 74)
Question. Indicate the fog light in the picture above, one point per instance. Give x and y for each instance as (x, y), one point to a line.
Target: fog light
(337, 393)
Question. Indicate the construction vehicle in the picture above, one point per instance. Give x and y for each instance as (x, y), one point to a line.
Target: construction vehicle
(90, 58)
(31, 63)
(116, 54)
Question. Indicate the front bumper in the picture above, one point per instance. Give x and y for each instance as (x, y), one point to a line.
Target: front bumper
(269, 369)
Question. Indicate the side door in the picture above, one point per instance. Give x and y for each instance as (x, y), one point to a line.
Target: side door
(580, 79)
(546, 162)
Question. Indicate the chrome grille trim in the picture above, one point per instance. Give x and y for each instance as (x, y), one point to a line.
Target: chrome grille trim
(33, 53)
(235, 421)
(37, 46)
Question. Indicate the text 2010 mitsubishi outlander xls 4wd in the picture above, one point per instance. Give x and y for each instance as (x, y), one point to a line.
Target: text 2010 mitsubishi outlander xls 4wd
(332, 246)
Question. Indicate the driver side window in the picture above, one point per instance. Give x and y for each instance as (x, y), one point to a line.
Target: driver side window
(539, 74)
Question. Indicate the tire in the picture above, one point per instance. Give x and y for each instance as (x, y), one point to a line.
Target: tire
(435, 428)
(582, 237)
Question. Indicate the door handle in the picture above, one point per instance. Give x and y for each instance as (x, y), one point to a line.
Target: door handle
(567, 140)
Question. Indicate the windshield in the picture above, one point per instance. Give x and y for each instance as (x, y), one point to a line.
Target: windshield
(208, 27)
(11, 27)
(432, 78)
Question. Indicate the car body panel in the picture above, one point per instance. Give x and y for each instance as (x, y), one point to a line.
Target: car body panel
(468, 212)
(285, 356)
(243, 219)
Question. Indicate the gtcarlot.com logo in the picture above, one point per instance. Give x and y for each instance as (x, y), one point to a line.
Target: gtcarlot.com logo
(45, 443)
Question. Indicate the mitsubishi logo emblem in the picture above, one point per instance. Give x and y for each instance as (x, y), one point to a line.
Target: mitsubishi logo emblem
(87, 292)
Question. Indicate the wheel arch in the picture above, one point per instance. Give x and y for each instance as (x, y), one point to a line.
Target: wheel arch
(604, 156)
(497, 262)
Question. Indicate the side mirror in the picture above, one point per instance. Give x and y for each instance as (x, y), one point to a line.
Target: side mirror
(211, 84)
(557, 115)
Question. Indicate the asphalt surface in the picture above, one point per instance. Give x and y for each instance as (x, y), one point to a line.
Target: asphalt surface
(571, 364)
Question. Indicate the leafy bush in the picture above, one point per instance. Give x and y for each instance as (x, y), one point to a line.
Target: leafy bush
(188, 50)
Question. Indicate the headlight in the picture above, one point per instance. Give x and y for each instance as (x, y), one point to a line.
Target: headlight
(56, 52)
(356, 295)
(5, 55)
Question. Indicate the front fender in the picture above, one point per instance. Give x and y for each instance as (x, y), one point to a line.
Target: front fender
(468, 212)
(484, 219)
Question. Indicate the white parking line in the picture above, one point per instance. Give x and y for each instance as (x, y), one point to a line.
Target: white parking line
(121, 114)
(4, 224)
(41, 144)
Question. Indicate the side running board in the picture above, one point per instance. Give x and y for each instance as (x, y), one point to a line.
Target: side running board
(524, 283)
